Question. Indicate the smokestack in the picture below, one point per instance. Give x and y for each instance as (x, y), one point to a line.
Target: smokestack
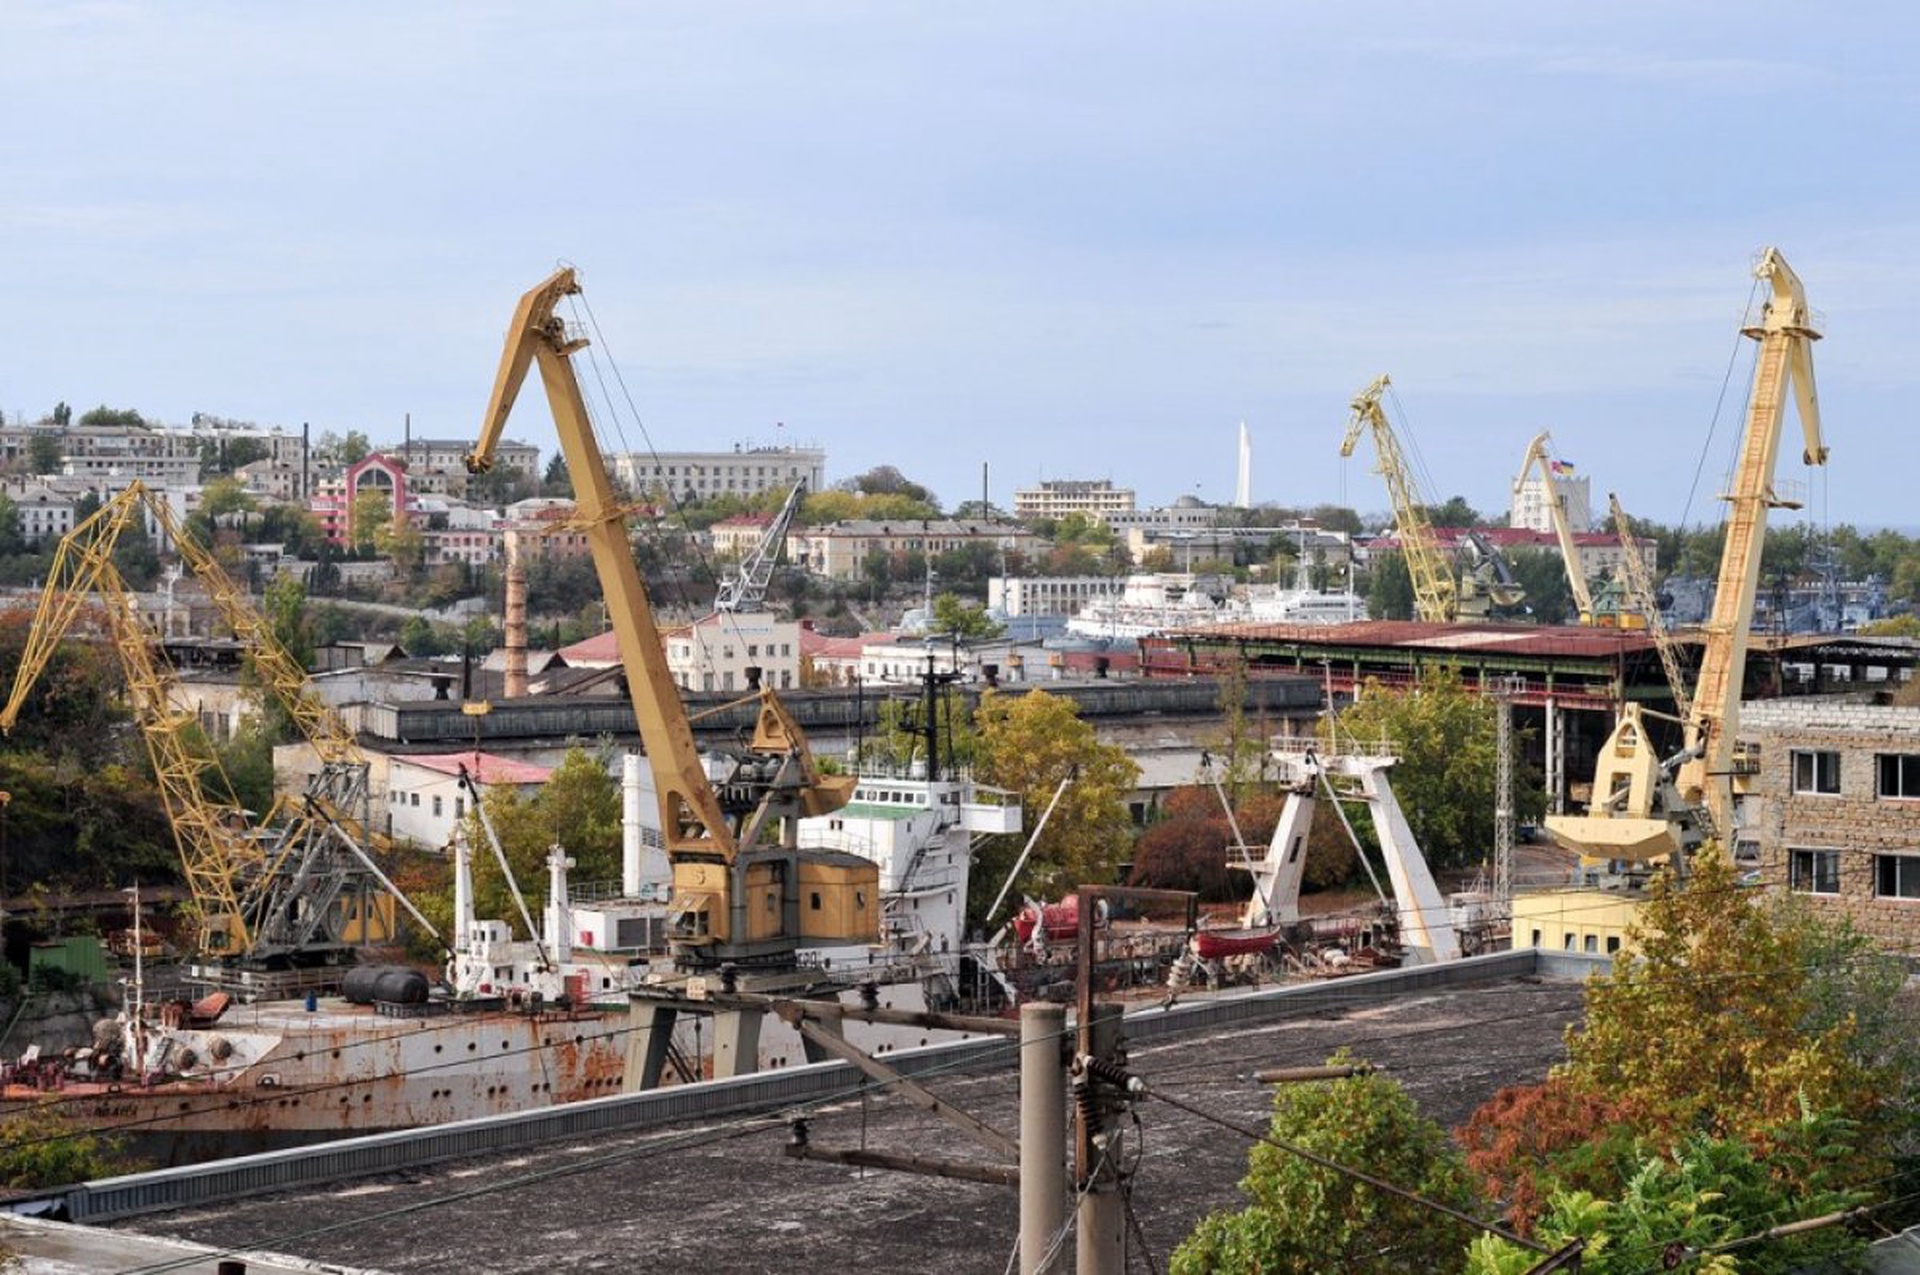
(515, 682)
(1243, 488)
(306, 460)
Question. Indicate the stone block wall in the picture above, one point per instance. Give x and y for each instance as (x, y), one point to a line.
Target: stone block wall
(1856, 822)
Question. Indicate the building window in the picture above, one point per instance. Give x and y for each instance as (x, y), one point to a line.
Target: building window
(1899, 774)
(1814, 871)
(1896, 876)
(415, 803)
(436, 807)
(1816, 772)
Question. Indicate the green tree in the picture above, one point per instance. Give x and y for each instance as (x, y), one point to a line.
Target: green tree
(1389, 588)
(1028, 744)
(557, 482)
(40, 1148)
(62, 414)
(135, 557)
(1456, 512)
(951, 615)
(1738, 1022)
(1444, 736)
(372, 510)
(117, 417)
(354, 448)
(1708, 1194)
(45, 454)
(1303, 1218)
(12, 542)
(885, 480)
(578, 809)
(1544, 577)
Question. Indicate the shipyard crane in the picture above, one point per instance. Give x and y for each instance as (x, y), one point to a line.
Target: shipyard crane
(739, 877)
(298, 887)
(1436, 595)
(745, 590)
(1536, 460)
(1646, 808)
(1639, 591)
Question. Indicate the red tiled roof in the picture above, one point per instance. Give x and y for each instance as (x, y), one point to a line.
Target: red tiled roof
(601, 650)
(485, 768)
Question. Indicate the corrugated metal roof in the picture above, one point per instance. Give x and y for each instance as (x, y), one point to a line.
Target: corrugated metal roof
(1485, 636)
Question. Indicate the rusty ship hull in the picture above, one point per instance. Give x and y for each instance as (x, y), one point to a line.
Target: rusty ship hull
(279, 1074)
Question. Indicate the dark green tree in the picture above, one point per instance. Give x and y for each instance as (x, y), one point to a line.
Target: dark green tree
(1389, 587)
(118, 417)
(1302, 1219)
(45, 454)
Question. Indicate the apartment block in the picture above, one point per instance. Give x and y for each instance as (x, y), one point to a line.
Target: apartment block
(1096, 498)
(1832, 809)
(744, 471)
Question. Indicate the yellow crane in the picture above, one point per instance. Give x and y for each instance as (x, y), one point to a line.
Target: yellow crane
(1646, 809)
(1640, 595)
(1537, 461)
(1436, 594)
(298, 886)
(739, 878)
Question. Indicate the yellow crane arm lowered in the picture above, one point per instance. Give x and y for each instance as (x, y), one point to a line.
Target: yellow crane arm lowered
(1435, 592)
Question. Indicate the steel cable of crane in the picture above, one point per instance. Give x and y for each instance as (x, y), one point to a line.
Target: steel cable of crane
(1726, 379)
(581, 303)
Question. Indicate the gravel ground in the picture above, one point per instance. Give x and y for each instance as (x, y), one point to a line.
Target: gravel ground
(723, 1198)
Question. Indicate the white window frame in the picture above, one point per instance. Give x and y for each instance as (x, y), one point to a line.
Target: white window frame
(1813, 783)
(1906, 767)
(1911, 864)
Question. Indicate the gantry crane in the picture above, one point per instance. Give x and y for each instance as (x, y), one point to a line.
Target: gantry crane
(1647, 809)
(299, 887)
(1436, 594)
(745, 590)
(739, 877)
(1536, 460)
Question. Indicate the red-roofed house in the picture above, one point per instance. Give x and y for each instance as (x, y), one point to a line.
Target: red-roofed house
(424, 798)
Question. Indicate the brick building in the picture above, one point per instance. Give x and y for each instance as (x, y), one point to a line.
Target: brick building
(1833, 809)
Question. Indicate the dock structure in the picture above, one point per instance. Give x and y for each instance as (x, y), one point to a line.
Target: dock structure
(1566, 683)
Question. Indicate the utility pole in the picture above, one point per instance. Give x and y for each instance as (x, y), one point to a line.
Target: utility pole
(1043, 1118)
(1102, 1090)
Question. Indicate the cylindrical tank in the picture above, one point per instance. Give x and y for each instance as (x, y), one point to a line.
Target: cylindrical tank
(398, 985)
(357, 987)
(395, 984)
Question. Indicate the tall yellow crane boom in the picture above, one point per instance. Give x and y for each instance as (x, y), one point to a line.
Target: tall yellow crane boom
(1536, 460)
(214, 854)
(735, 885)
(1785, 362)
(281, 891)
(1435, 592)
(1643, 808)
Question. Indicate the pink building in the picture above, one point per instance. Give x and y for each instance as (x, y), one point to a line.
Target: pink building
(332, 504)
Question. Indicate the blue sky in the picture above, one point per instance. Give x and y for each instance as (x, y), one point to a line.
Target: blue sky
(1072, 239)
